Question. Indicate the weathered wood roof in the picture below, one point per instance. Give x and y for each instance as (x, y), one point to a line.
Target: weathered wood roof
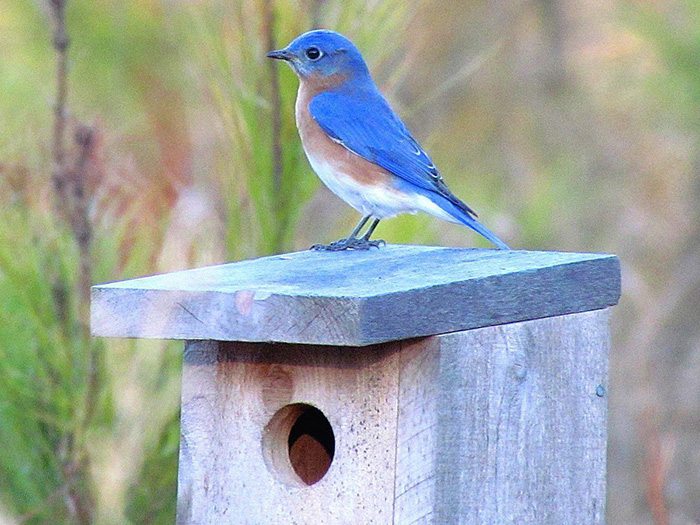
(356, 298)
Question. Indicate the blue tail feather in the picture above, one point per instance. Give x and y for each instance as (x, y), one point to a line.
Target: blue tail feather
(482, 230)
(464, 218)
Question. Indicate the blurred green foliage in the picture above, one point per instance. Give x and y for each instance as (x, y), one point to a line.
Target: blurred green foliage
(181, 99)
(567, 125)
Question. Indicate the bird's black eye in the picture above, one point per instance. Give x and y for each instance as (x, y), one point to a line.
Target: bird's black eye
(313, 53)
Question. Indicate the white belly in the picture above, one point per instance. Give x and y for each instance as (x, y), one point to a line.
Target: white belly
(379, 202)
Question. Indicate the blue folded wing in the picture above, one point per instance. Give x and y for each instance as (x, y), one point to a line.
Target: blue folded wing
(366, 125)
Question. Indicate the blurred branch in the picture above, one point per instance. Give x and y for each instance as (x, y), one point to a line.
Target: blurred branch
(655, 467)
(277, 158)
(557, 31)
(68, 491)
(316, 7)
(72, 204)
(80, 219)
(69, 178)
(60, 44)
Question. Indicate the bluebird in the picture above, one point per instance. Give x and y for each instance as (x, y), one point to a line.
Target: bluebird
(358, 146)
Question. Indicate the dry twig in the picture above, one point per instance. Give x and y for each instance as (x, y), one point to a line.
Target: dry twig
(72, 204)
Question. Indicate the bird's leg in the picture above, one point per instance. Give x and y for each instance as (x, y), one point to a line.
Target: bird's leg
(344, 244)
(370, 231)
(357, 229)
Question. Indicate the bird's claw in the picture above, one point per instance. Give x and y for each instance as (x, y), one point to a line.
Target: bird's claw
(348, 244)
(372, 244)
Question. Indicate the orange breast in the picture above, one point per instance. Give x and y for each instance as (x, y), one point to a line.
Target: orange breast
(319, 145)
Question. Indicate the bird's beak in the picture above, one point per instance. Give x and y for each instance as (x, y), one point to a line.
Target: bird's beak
(281, 54)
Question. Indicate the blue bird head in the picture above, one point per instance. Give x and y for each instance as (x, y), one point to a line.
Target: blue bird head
(324, 53)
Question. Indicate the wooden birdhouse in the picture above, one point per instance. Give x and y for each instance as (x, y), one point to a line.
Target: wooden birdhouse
(402, 385)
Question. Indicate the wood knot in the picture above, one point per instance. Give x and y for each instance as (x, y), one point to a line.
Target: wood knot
(277, 388)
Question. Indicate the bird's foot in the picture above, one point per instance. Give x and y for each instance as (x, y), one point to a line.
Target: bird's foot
(348, 244)
(365, 244)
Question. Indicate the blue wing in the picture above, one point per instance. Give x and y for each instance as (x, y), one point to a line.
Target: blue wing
(366, 125)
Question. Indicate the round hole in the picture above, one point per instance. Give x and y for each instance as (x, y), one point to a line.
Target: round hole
(299, 444)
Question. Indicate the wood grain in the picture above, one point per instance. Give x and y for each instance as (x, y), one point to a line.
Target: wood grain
(229, 395)
(505, 425)
(497, 425)
(356, 298)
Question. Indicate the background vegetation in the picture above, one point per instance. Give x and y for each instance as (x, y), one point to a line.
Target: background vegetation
(569, 125)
